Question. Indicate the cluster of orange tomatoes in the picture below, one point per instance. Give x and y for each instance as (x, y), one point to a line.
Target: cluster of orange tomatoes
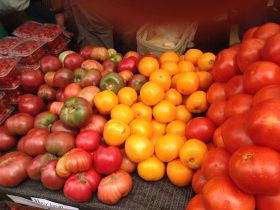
(151, 125)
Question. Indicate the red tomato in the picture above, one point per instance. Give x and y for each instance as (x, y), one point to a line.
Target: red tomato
(218, 140)
(96, 123)
(263, 124)
(238, 104)
(265, 202)
(59, 143)
(7, 141)
(249, 33)
(216, 92)
(59, 126)
(127, 165)
(215, 163)
(56, 106)
(267, 30)
(13, 168)
(271, 49)
(221, 193)
(261, 74)
(74, 161)
(30, 104)
(268, 92)
(234, 133)
(200, 128)
(79, 187)
(34, 168)
(113, 187)
(216, 112)
(256, 170)
(34, 141)
(107, 159)
(225, 66)
(49, 177)
(72, 90)
(19, 124)
(249, 52)
(196, 203)
(234, 86)
(198, 181)
(88, 140)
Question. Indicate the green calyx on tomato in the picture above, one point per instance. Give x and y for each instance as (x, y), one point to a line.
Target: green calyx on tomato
(111, 81)
(75, 112)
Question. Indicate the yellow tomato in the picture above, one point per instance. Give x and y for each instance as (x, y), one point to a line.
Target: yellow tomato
(141, 127)
(127, 95)
(183, 114)
(142, 111)
(123, 113)
(167, 147)
(192, 153)
(176, 127)
(115, 132)
(158, 128)
(151, 93)
(105, 101)
(179, 174)
(164, 111)
(162, 78)
(138, 148)
(151, 169)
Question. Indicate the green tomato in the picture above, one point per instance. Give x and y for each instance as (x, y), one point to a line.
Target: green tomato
(75, 112)
(111, 81)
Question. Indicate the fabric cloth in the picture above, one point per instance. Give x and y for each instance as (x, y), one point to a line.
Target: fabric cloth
(160, 195)
(7, 6)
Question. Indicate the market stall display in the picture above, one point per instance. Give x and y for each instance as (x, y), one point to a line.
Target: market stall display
(97, 127)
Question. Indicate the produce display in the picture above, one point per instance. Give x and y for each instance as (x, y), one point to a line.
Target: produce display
(87, 120)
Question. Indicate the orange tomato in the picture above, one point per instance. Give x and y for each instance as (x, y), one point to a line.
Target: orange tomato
(169, 56)
(197, 102)
(205, 79)
(162, 78)
(141, 127)
(138, 148)
(187, 83)
(147, 65)
(151, 93)
(151, 169)
(182, 58)
(174, 80)
(179, 174)
(183, 114)
(154, 139)
(173, 96)
(142, 111)
(217, 137)
(105, 101)
(127, 95)
(177, 127)
(206, 61)
(185, 66)
(193, 55)
(158, 128)
(192, 153)
(167, 147)
(170, 67)
(164, 112)
(115, 132)
(123, 113)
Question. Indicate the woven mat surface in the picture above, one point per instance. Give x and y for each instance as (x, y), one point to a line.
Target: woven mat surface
(145, 195)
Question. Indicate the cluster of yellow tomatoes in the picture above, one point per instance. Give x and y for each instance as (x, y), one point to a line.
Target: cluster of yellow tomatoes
(151, 125)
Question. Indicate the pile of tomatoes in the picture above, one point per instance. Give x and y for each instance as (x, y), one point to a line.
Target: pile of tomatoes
(241, 169)
(90, 119)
